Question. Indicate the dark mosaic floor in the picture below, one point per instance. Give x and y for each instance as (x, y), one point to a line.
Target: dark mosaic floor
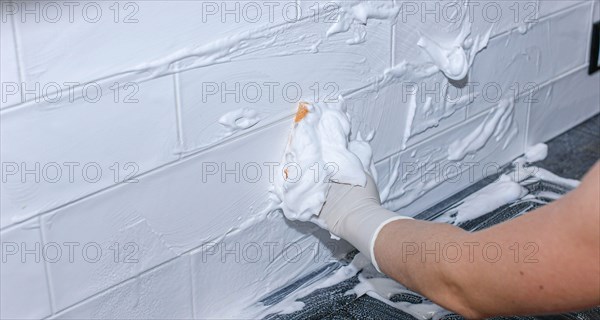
(570, 155)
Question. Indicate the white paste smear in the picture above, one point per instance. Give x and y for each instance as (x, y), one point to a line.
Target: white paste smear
(491, 197)
(371, 283)
(382, 288)
(319, 151)
(496, 124)
(454, 58)
(238, 120)
(508, 188)
(357, 14)
(536, 153)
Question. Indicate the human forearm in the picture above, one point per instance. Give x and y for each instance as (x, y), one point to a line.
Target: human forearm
(420, 255)
(550, 254)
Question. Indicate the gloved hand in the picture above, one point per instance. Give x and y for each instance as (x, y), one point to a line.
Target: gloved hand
(355, 214)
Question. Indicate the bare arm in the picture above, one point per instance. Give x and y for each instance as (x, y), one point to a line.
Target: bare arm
(545, 261)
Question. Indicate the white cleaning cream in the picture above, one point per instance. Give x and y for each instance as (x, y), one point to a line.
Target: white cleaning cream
(319, 151)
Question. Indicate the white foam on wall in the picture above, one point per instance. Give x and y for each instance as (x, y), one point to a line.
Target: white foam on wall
(194, 218)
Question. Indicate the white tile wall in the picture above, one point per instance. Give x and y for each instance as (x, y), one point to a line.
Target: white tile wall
(385, 111)
(10, 94)
(161, 293)
(164, 215)
(273, 83)
(426, 162)
(431, 18)
(516, 62)
(24, 290)
(121, 39)
(568, 100)
(549, 7)
(69, 149)
(272, 247)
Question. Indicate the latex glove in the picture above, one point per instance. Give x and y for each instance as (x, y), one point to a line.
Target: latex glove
(355, 214)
